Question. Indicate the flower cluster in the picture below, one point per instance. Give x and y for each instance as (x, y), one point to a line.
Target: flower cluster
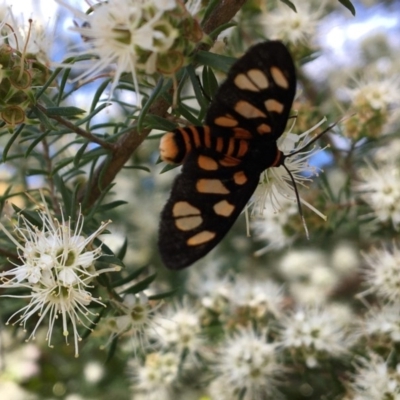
(275, 200)
(135, 318)
(381, 276)
(289, 26)
(58, 270)
(246, 365)
(371, 102)
(144, 36)
(375, 379)
(21, 68)
(156, 378)
(315, 333)
(176, 334)
(379, 188)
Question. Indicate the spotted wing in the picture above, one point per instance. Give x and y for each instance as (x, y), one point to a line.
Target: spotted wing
(258, 93)
(202, 207)
(222, 160)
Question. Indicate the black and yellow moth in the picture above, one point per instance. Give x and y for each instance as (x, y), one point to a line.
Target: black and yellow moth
(223, 160)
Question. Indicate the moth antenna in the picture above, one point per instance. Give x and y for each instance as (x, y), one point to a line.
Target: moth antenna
(300, 208)
(315, 138)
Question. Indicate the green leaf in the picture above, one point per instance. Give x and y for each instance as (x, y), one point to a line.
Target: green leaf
(216, 32)
(109, 259)
(157, 122)
(210, 82)
(110, 206)
(61, 164)
(122, 250)
(154, 95)
(160, 296)
(34, 143)
(289, 4)
(209, 9)
(216, 61)
(348, 4)
(141, 167)
(35, 171)
(169, 167)
(93, 209)
(88, 118)
(32, 216)
(97, 95)
(44, 119)
(64, 111)
(142, 285)
(132, 276)
(198, 91)
(107, 256)
(80, 153)
(93, 323)
(112, 349)
(11, 141)
(186, 113)
(65, 194)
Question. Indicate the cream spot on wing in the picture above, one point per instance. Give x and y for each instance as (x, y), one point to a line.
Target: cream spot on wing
(247, 110)
(226, 121)
(259, 78)
(184, 209)
(240, 178)
(211, 186)
(188, 223)
(207, 163)
(279, 77)
(263, 128)
(242, 81)
(200, 238)
(273, 105)
(168, 148)
(223, 208)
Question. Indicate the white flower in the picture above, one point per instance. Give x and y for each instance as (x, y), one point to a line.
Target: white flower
(389, 152)
(383, 322)
(178, 328)
(315, 333)
(246, 363)
(276, 180)
(157, 376)
(376, 92)
(58, 269)
(375, 380)
(310, 279)
(379, 187)
(165, 5)
(383, 273)
(271, 226)
(295, 27)
(345, 259)
(212, 289)
(261, 296)
(119, 32)
(373, 99)
(275, 199)
(93, 372)
(136, 318)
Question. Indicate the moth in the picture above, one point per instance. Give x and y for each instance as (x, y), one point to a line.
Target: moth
(223, 159)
